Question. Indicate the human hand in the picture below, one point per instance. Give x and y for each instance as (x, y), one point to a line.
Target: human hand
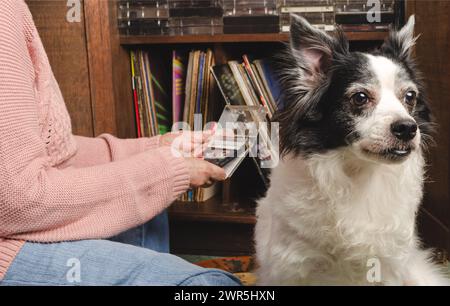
(203, 173)
(192, 144)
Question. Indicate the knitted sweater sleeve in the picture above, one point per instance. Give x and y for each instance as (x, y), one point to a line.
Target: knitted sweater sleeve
(107, 148)
(39, 202)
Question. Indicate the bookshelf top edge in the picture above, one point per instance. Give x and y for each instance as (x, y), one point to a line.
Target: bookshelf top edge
(235, 38)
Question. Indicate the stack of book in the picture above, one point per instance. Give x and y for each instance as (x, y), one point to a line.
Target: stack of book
(198, 87)
(250, 16)
(143, 17)
(193, 81)
(357, 15)
(200, 194)
(195, 17)
(150, 97)
(194, 85)
(248, 83)
(320, 13)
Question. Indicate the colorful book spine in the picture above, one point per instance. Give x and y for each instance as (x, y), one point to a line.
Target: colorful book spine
(150, 77)
(256, 87)
(200, 83)
(187, 96)
(135, 95)
(269, 81)
(140, 95)
(178, 72)
(146, 96)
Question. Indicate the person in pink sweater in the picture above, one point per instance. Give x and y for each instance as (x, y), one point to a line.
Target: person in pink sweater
(61, 194)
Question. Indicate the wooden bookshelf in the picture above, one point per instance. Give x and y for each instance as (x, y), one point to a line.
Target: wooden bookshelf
(213, 210)
(234, 38)
(215, 227)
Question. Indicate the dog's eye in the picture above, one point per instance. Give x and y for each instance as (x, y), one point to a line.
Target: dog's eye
(410, 97)
(360, 98)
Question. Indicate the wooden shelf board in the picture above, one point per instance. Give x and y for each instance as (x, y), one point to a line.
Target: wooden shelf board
(367, 36)
(188, 39)
(212, 211)
(234, 38)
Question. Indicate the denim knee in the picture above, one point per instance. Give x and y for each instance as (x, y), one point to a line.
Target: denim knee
(108, 263)
(211, 278)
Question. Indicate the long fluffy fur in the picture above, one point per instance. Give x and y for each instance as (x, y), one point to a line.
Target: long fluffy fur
(324, 218)
(328, 212)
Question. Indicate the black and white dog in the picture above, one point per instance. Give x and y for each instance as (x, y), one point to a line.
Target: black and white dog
(343, 200)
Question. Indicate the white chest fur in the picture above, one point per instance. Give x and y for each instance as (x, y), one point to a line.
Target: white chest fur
(327, 215)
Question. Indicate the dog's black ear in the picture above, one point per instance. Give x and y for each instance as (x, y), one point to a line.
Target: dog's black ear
(400, 43)
(314, 49)
(304, 76)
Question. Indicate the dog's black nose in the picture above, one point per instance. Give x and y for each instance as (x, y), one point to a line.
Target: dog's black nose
(404, 129)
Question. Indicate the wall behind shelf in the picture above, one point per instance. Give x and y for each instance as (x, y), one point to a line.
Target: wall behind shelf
(88, 63)
(432, 50)
(65, 44)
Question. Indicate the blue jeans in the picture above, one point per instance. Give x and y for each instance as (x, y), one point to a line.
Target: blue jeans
(103, 262)
(153, 235)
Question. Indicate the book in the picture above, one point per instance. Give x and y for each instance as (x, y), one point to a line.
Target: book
(135, 94)
(194, 87)
(270, 83)
(227, 84)
(200, 83)
(256, 85)
(178, 82)
(208, 88)
(271, 105)
(140, 95)
(188, 87)
(150, 98)
(207, 193)
(248, 85)
(149, 95)
(237, 73)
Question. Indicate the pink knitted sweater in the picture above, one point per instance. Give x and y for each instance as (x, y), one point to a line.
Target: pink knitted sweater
(55, 186)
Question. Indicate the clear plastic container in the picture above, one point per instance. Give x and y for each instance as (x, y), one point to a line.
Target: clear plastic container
(320, 13)
(250, 7)
(357, 6)
(355, 13)
(144, 27)
(195, 8)
(143, 17)
(143, 9)
(195, 25)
